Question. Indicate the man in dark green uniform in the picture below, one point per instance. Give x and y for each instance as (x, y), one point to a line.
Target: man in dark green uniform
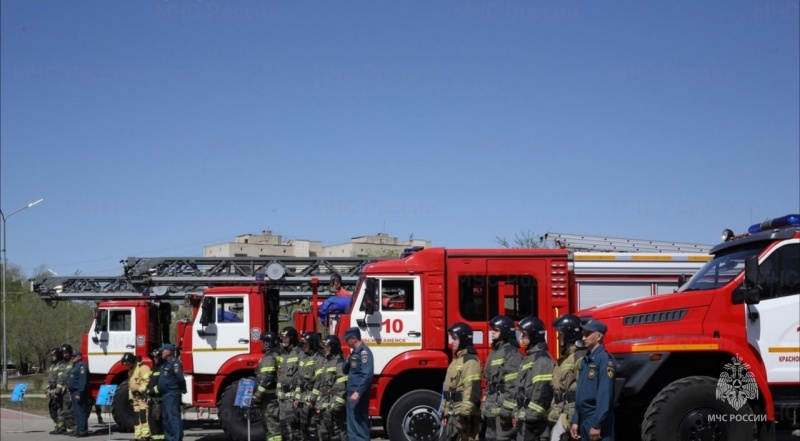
(593, 419)
(78, 387)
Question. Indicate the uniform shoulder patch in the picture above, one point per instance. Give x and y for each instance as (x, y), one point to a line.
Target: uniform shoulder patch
(176, 368)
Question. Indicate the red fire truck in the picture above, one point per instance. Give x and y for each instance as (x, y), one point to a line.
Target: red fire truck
(719, 359)
(439, 287)
(218, 346)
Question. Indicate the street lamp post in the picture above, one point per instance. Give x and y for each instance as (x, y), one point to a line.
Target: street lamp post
(4, 218)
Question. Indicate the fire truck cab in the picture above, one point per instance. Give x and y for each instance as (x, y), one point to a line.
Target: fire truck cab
(720, 358)
(440, 287)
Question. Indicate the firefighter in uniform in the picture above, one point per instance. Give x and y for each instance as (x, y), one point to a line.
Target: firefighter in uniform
(66, 407)
(593, 419)
(359, 368)
(154, 419)
(534, 382)
(309, 364)
(290, 354)
(78, 386)
(461, 394)
(171, 384)
(266, 385)
(138, 378)
(55, 400)
(331, 389)
(565, 375)
(500, 372)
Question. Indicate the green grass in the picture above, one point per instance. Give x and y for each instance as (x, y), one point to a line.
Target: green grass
(36, 385)
(36, 406)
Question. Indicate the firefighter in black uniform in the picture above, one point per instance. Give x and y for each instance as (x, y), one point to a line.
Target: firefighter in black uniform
(502, 365)
(534, 382)
(565, 375)
(266, 385)
(461, 394)
(67, 415)
(311, 360)
(290, 355)
(55, 400)
(154, 418)
(331, 389)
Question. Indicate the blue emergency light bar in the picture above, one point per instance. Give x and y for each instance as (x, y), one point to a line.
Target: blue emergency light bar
(790, 220)
(409, 251)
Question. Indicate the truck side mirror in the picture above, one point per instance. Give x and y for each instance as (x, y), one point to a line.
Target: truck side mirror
(370, 296)
(749, 292)
(207, 311)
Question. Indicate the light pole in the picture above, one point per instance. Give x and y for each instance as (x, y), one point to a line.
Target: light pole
(5, 269)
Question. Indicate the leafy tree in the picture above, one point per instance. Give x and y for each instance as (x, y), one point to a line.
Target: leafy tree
(34, 327)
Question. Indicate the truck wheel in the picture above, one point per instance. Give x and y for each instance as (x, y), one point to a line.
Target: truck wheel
(415, 417)
(234, 419)
(682, 411)
(121, 409)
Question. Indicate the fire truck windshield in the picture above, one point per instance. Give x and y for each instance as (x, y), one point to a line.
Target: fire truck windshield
(720, 270)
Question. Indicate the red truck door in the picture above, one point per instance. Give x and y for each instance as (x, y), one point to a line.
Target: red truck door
(481, 288)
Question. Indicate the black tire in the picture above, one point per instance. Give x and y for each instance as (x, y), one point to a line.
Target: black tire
(121, 409)
(234, 419)
(681, 412)
(415, 417)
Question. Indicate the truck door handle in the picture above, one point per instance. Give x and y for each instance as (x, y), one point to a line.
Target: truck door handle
(130, 346)
(244, 341)
(414, 333)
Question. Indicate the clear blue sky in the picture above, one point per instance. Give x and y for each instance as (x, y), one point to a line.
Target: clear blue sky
(153, 128)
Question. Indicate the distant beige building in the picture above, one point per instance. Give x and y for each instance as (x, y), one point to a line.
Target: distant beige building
(379, 245)
(267, 244)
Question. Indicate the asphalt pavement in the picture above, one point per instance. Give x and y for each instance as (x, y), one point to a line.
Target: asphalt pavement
(18, 426)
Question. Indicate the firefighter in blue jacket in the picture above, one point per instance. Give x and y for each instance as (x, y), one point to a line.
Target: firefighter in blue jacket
(171, 384)
(359, 369)
(593, 419)
(78, 387)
